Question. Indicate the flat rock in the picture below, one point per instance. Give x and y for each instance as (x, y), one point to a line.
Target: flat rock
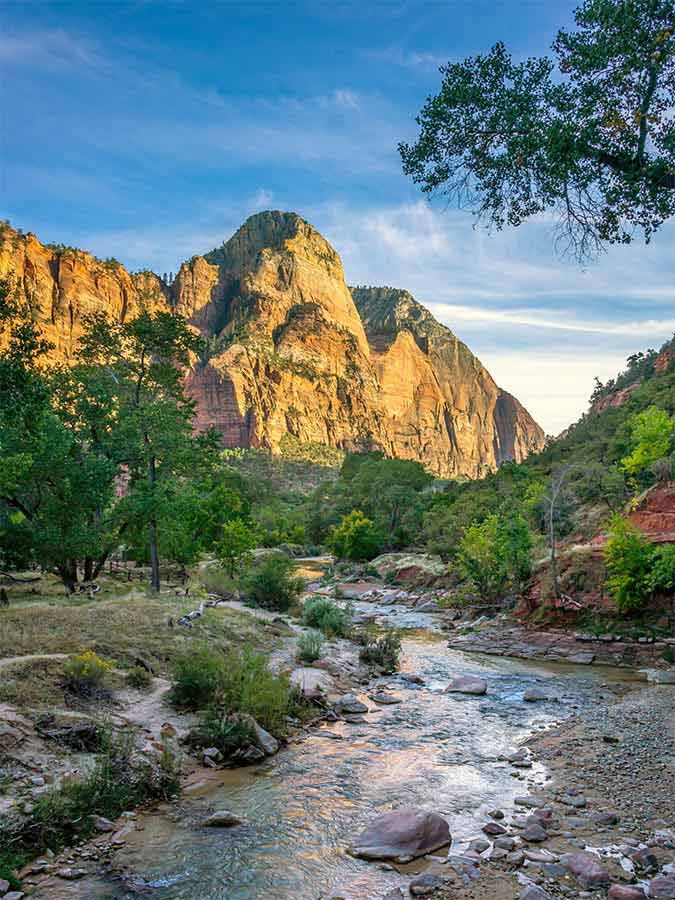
(222, 818)
(493, 828)
(351, 705)
(467, 684)
(402, 835)
(625, 892)
(385, 699)
(586, 868)
(662, 888)
(312, 683)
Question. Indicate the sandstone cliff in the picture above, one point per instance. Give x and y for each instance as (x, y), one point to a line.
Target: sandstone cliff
(291, 351)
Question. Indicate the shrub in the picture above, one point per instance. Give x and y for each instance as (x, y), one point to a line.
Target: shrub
(10, 863)
(233, 682)
(651, 437)
(271, 584)
(383, 651)
(496, 554)
(662, 569)
(628, 556)
(197, 677)
(327, 616)
(309, 646)
(85, 673)
(217, 729)
(139, 678)
(356, 537)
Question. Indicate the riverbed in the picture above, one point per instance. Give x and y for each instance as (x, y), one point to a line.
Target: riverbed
(445, 752)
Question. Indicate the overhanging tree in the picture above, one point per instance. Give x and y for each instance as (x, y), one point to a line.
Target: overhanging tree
(591, 139)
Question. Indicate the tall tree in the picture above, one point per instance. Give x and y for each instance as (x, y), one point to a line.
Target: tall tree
(593, 142)
(140, 363)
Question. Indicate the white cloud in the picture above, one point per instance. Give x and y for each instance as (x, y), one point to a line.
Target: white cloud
(409, 59)
(48, 50)
(263, 200)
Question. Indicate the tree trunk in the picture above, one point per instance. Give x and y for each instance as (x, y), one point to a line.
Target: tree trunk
(152, 534)
(554, 561)
(88, 569)
(68, 574)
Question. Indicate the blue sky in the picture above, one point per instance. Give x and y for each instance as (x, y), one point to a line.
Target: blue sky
(149, 131)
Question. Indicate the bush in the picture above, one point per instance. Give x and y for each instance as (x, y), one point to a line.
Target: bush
(10, 864)
(328, 617)
(271, 584)
(117, 783)
(662, 569)
(197, 677)
(216, 729)
(235, 546)
(309, 646)
(628, 557)
(139, 678)
(86, 673)
(651, 438)
(233, 682)
(383, 651)
(496, 554)
(356, 537)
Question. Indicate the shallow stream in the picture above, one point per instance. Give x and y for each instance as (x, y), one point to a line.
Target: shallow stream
(302, 807)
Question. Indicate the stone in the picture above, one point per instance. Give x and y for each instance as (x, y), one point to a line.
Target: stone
(586, 869)
(581, 659)
(496, 814)
(70, 874)
(4, 886)
(467, 684)
(493, 828)
(529, 802)
(396, 894)
(662, 888)
(625, 892)
(533, 892)
(534, 833)
(425, 885)
(578, 801)
(385, 699)
(265, 742)
(534, 695)
(480, 845)
(402, 834)
(222, 818)
(605, 818)
(14, 895)
(350, 704)
(516, 858)
(505, 842)
(645, 860)
(102, 825)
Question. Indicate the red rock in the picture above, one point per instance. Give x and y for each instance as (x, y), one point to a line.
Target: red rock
(586, 868)
(625, 892)
(662, 888)
(402, 834)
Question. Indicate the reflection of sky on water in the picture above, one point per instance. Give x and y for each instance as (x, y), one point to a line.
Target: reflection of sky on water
(436, 750)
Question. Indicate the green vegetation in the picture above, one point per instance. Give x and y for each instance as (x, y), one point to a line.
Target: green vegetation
(382, 651)
(322, 613)
(496, 555)
(310, 645)
(235, 546)
(356, 537)
(272, 583)
(117, 782)
(636, 568)
(139, 678)
(651, 434)
(591, 141)
(85, 673)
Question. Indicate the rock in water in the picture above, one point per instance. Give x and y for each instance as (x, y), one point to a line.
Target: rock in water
(402, 835)
(350, 705)
(467, 684)
(586, 868)
(222, 818)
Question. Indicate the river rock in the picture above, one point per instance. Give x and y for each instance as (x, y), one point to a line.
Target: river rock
(222, 818)
(14, 895)
(265, 742)
(312, 683)
(101, 824)
(625, 892)
(534, 833)
(402, 835)
(505, 842)
(533, 695)
(4, 886)
(351, 705)
(425, 885)
(586, 868)
(467, 684)
(385, 699)
(533, 892)
(662, 888)
(493, 828)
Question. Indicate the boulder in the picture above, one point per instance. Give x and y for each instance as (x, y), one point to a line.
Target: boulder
(425, 885)
(467, 684)
(625, 892)
(264, 742)
(222, 818)
(586, 868)
(349, 704)
(414, 568)
(312, 683)
(534, 833)
(402, 834)
(385, 699)
(662, 888)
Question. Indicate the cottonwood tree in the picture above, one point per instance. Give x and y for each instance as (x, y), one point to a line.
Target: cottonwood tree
(139, 364)
(587, 135)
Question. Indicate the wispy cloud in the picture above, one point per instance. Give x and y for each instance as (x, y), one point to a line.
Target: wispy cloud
(415, 60)
(48, 50)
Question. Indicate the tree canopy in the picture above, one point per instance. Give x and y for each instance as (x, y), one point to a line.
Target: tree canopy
(586, 134)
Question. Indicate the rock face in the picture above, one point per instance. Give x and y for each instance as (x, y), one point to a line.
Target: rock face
(292, 352)
(402, 835)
